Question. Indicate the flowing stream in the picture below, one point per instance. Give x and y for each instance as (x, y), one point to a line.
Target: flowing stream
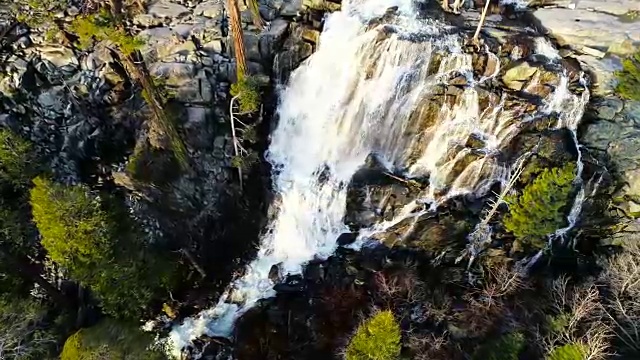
(371, 89)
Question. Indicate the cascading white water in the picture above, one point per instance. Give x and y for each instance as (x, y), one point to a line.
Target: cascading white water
(366, 91)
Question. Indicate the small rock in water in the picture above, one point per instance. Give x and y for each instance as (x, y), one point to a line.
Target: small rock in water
(346, 238)
(289, 287)
(275, 274)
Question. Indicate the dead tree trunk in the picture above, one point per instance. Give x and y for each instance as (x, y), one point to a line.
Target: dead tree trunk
(235, 23)
(255, 13)
(137, 69)
(476, 36)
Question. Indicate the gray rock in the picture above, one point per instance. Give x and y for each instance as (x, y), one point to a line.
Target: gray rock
(602, 72)
(213, 46)
(58, 55)
(167, 9)
(609, 108)
(211, 9)
(207, 30)
(173, 71)
(251, 46)
(272, 39)
(620, 139)
(52, 100)
(291, 8)
(146, 20)
(267, 12)
(196, 116)
(157, 37)
(73, 11)
(578, 28)
(615, 7)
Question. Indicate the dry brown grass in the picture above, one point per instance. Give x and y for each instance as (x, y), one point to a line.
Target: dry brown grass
(623, 308)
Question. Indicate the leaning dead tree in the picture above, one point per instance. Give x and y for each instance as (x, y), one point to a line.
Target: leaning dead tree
(483, 16)
(481, 235)
(246, 97)
(255, 13)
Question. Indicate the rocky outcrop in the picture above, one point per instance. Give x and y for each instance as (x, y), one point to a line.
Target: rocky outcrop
(89, 121)
(594, 32)
(599, 34)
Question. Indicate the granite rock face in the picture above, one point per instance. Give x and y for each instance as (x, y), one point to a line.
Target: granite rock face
(599, 34)
(84, 105)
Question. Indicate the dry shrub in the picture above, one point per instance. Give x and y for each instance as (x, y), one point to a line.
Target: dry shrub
(503, 281)
(622, 274)
(486, 306)
(582, 319)
(431, 347)
(399, 287)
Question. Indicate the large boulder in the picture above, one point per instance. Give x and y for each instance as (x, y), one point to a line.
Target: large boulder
(167, 9)
(615, 7)
(583, 28)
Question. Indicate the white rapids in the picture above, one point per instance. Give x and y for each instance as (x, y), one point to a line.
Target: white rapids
(366, 91)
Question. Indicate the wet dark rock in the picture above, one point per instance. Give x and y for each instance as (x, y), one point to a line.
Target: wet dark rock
(275, 273)
(553, 147)
(314, 273)
(346, 238)
(294, 50)
(292, 284)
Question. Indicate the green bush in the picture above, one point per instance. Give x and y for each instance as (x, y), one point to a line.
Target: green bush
(111, 339)
(507, 347)
(101, 27)
(575, 351)
(247, 89)
(378, 338)
(557, 324)
(16, 158)
(37, 14)
(75, 230)
(540, 209)
(629, 78)
(100, 249)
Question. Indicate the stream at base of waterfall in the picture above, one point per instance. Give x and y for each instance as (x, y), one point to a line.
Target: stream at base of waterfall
(403, 89)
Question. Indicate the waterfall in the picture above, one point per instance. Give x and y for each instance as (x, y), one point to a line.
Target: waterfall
(373, 87)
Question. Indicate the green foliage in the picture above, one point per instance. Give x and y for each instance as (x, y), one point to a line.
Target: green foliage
(247, 89)
(507, 347)
(74, 229)
(244, 162)
(629, 78)
(378, 338)
(38, 14)
(23, 335)
(99, 248)
(15, 158)
(539, 210)
(111, 339)
(558, 323)
(574, 351)
(101, 27)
